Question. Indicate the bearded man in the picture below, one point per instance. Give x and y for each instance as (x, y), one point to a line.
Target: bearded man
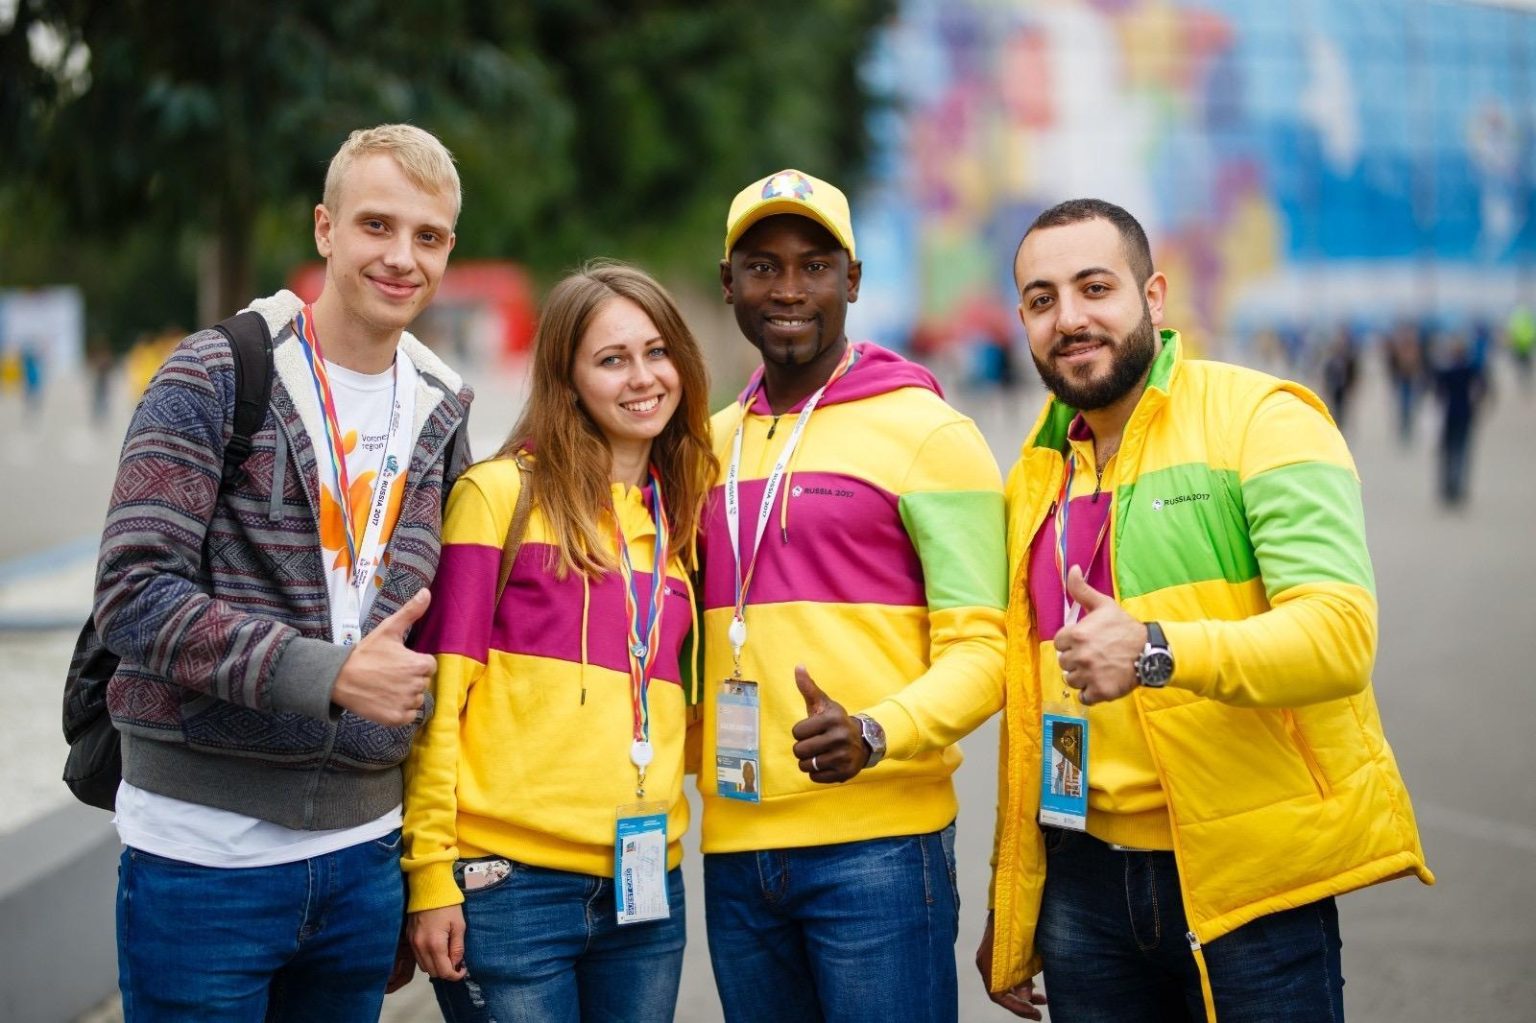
(1192, 621)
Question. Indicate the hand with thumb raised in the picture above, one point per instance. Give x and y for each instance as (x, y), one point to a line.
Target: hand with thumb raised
(830, 746)
(406, 615)
(815, 700)
(1088, 598)
(1098, 652)
(382, 679)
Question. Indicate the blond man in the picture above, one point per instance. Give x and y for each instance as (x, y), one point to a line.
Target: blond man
(265, 696)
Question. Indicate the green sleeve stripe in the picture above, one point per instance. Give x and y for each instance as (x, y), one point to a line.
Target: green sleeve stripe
(1181, 525)
(958, 535)
(1308, 526)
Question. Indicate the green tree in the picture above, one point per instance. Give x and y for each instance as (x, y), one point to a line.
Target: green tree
(200, 131)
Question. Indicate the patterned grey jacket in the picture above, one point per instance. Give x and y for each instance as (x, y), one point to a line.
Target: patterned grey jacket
(216, 601)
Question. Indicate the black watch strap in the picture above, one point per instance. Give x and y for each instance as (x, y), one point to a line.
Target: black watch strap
(1155, 635)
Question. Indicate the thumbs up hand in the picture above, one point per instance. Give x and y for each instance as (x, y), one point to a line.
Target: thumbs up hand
(830, 746)
(382, 680)
(1098, 651)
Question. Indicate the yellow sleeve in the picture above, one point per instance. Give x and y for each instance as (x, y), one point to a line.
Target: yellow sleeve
(431, 768)
(1306, 523)
(952, 506)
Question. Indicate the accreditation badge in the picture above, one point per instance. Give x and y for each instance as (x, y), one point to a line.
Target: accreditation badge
(738, 763)
(640, 863)
(1064, 773)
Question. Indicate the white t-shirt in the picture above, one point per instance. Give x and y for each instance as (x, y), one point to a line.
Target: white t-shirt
(366, 404)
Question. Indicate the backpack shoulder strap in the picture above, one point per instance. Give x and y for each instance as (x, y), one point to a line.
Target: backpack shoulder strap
(518, 527)
(250, 342)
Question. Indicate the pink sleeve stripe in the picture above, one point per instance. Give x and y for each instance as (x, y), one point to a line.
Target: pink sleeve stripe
(540, 615)
(458, 620)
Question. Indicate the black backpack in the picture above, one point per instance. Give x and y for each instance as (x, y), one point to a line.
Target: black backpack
(95, 764)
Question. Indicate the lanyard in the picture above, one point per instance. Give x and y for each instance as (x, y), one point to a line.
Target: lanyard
(737, 633)
(644, 640)
(362, 553)
(1070, 609)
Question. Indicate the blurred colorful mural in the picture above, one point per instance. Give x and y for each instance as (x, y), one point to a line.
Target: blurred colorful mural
(1296, 164)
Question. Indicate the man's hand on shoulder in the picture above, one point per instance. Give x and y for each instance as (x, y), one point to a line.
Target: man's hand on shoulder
(830, 744)
(382, 679)
(1098, 652)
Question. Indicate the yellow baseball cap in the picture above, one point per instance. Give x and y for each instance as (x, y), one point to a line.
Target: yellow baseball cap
(790, 191)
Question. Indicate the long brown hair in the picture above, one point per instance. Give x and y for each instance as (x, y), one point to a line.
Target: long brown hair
(573, 464)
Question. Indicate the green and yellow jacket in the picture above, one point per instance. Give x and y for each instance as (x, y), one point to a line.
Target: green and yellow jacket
(1238, 526)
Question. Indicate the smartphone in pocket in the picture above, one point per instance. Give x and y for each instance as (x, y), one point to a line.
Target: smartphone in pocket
(484, 873)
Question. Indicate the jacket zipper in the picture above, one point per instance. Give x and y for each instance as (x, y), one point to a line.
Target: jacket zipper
(332, 728)
(1304, 748)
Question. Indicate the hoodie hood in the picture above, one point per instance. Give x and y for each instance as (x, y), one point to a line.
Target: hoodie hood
(875, 370)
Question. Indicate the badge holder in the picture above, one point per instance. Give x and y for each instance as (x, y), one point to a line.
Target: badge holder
(738, 759)
(1064, 767)
(640, 852)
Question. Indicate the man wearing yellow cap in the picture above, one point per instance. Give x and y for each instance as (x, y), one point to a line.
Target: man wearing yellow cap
(853, 592)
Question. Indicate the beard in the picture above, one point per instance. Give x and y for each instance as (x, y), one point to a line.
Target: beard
(1132, 355)
(783, 355)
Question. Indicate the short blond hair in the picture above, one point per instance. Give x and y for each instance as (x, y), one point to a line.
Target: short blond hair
(424, 159)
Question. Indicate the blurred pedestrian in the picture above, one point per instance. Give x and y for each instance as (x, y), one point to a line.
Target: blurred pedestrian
(1520, 336)
(32, 378)
(265, 694)
(1192, 623)
(10, 371)
(566, 622)
(1340, 374)
(100, 364)
(1461, 384)
(1405, 369)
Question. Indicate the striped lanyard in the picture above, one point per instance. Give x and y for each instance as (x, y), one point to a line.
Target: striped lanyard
(737, 633)
(309, 342)
(1070, 610)
(644, 640)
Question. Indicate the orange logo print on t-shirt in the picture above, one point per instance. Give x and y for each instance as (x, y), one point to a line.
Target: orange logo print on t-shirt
(333, 538)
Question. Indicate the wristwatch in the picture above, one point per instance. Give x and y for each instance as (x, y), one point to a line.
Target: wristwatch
(874, 738)
(1155, 665)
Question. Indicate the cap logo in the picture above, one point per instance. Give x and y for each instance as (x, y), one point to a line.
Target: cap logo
(787, 185)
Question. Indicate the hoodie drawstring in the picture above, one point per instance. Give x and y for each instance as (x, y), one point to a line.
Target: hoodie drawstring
(695, 690)
(586, 611)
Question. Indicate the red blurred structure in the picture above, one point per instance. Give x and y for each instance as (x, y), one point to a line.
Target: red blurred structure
(485, 309)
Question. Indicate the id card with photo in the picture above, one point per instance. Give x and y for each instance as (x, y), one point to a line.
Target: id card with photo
(738, 760)
(640, 863)
(1064, 772)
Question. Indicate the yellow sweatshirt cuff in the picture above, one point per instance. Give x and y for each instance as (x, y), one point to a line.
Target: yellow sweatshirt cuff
(433, 887)
(900, 729)
(1194, 660)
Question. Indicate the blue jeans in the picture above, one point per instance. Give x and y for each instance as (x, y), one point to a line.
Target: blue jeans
(1112, 937)
(309, 940)
(544, 946)
(863, 930)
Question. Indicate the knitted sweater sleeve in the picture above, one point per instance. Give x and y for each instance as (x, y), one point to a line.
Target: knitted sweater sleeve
(151, 607)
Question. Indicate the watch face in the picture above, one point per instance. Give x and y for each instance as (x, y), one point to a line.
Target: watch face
(874, 737)
(1155, 668)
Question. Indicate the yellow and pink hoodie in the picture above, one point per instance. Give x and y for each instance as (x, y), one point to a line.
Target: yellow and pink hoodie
(526, 754)
(882, 571)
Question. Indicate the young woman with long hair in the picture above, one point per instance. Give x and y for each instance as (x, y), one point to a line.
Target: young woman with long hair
(554, 753)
